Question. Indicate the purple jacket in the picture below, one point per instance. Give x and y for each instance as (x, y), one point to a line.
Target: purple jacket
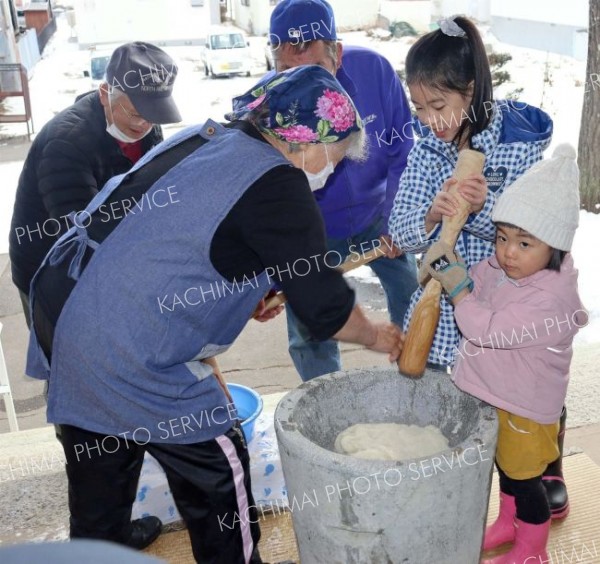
(359, 194)
(517, 340)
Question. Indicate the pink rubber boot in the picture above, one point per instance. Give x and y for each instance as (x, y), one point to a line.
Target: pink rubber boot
(530, 545)
(503, 529)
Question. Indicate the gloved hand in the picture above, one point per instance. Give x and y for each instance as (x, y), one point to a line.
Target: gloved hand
(438, 255)
(444, 265)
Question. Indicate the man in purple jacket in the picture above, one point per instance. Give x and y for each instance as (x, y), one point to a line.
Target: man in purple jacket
(357, 198)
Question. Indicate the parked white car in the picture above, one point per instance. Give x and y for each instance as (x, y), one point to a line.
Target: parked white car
(97, 64)
(226, 52)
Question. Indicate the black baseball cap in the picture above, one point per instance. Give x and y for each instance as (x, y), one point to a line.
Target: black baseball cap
(146, 74)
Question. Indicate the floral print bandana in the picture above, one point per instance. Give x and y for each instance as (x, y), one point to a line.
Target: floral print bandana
(306, 105)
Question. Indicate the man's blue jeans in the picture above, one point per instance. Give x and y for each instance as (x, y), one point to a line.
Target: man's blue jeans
(399, 280)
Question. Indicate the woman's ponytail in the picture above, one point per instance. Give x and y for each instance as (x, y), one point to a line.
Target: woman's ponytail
(455, 62)
(482, 78)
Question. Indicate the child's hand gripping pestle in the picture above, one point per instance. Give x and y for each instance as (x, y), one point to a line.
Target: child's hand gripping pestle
(426, 314)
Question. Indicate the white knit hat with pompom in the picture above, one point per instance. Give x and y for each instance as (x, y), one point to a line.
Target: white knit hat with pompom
(545, 200)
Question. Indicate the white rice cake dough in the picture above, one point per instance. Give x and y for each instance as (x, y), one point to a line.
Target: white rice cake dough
(390, 441)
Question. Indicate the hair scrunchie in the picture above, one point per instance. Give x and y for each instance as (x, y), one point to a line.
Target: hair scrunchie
(451, 28)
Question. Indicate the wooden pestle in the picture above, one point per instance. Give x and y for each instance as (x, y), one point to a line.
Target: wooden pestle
(426, 314)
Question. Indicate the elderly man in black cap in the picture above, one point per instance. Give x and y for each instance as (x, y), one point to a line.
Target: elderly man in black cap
(100, 136)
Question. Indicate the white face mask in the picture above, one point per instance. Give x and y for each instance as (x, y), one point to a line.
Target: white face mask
(317, 180)
(115, 132)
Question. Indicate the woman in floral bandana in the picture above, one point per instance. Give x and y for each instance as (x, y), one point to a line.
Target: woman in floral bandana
(147, 294)
(288, 112)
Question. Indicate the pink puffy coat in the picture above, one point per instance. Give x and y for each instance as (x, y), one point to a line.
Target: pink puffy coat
(517, 340)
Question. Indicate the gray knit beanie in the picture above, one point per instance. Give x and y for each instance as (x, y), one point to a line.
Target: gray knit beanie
(545, 200)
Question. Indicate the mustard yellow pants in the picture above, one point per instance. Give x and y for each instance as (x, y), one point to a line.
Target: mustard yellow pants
(525, 448)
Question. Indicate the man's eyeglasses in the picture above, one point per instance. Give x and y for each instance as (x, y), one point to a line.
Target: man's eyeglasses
(132, 117)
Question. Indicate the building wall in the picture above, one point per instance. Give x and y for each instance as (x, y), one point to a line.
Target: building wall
(558, 27)
(562, 39)
(8, 48)
(29, 50)
(349, 14)
(254, 18)
(355, 14)
(240, 15)
(9, 81)
(37, 18)
(417, 13)
(573, 13)
(158, 21)
(476, 9)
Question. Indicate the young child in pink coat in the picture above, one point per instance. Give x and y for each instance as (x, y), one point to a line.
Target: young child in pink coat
(518, 313)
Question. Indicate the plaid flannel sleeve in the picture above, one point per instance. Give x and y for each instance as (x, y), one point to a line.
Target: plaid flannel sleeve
(412, 202)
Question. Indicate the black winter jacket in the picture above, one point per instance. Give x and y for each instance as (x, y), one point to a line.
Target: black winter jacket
(69, 162)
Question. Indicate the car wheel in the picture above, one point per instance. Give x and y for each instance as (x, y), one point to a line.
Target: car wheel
(248, 73)
(212, 73)
(205, 69)
(269, 67)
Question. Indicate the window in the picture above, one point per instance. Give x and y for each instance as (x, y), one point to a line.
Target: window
(245, 2)
(98, 67)
(227, 41)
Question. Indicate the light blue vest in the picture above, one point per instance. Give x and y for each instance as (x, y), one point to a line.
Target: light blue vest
(150, 304)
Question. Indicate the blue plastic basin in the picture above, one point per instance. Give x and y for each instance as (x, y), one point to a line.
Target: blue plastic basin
(249, 405)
